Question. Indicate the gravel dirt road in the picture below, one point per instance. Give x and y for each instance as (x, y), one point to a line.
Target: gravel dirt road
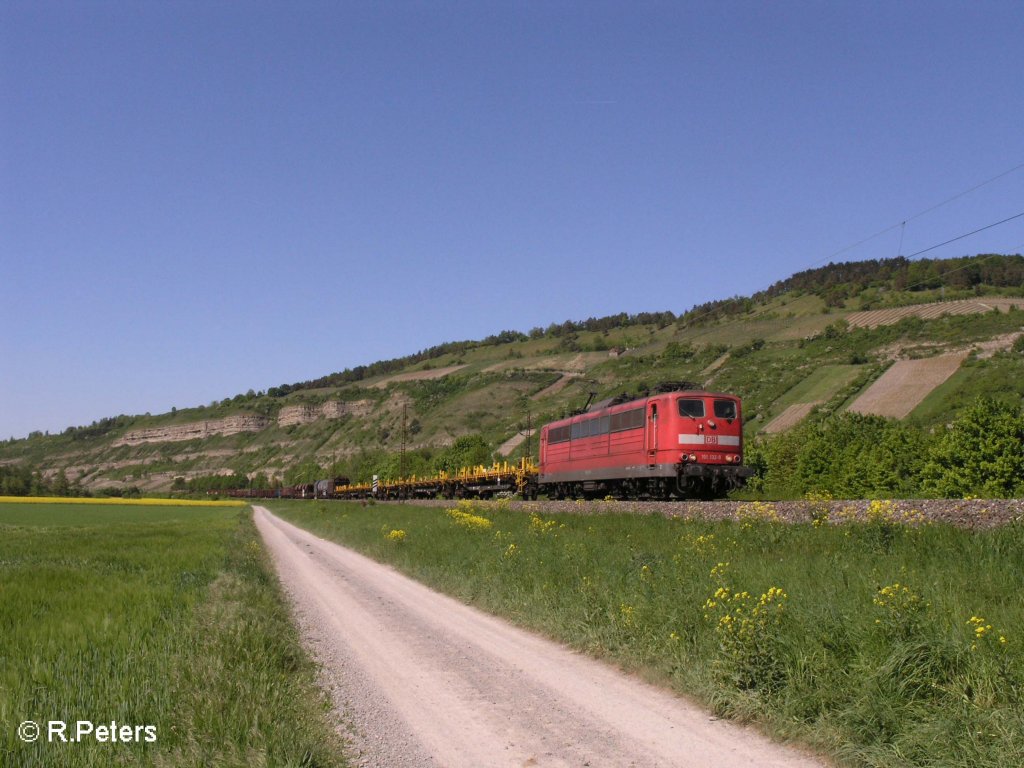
(420, 679)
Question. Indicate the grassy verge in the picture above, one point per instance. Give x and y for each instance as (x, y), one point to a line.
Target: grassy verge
(163, 616)
(880, 643)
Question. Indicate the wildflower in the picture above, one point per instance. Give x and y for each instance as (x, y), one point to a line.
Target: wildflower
(880, 511)
(902, 609)
(756, 512)
(985, 634)
(702, 545)
(748, 633)
(463, 516)
(397, 536)
(820, 506)
(540, 525)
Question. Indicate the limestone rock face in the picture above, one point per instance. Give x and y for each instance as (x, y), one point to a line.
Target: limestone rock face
(198, 430)
(332, 409)
(231, 425)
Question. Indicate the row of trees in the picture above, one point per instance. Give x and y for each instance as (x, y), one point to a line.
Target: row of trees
(981, 453)
(835, 283)
(901, 274)
(22, 480)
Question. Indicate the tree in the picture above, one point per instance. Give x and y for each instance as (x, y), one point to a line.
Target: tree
(849, 456)
(308, 471)
(466, 451)
(675, 352)
(981, 453)
(15, 480)
(61, 486)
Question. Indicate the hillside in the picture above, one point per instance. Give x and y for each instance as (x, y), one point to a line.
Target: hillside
(951, 331)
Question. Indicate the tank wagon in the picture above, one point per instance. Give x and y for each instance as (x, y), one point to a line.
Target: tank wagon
(672, 444)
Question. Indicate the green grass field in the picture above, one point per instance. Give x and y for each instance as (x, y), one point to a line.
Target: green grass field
(821, 385)
(998, 377)
(880, 644)
(151, 616)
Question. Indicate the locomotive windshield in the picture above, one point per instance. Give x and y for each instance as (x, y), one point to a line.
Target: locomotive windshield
(725, 409)
(691, 408)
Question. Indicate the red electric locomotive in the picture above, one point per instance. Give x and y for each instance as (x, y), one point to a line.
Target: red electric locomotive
(680, 443)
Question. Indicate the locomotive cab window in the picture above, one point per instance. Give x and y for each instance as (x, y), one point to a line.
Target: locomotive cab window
(725, 409)
(692, 408)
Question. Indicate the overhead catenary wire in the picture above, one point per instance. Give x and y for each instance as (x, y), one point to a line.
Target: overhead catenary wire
(917, 253)
(968, 234)
(1014, 249)
(903, 224)
(918, 215)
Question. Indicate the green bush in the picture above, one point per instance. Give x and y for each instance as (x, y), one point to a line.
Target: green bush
(846, 456)
(981, 453)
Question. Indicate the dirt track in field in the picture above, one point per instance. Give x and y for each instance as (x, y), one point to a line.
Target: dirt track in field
(424, 680)
(790, 417)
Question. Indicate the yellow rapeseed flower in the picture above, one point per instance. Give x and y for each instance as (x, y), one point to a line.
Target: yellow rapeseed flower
(116, 500)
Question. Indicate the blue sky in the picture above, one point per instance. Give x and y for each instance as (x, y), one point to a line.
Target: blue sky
(201, 198)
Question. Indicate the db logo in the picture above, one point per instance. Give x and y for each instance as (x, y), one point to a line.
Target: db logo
(711, 439)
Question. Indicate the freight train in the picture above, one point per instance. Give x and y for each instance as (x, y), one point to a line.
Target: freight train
(677, 442)
(321, 489)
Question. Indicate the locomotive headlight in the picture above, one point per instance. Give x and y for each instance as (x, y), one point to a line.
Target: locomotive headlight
(693, 457)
